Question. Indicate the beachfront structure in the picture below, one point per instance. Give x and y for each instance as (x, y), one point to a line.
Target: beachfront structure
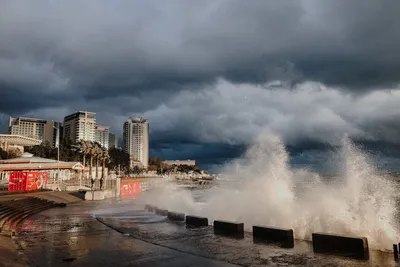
(28, 162)
(80, 126)
(47, 131)
(179, 162)
(102, 135)
(112, 140)
(136, 141)
(16, 143)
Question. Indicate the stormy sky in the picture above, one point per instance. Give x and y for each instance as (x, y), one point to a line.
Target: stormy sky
(210, 75)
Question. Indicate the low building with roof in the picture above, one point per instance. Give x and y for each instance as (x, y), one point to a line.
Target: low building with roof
(28, 162)
(16, 143)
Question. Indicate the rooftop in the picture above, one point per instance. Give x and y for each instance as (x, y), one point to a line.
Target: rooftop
(19, 140)
(27, 158)
(41, 166)
(137, 119)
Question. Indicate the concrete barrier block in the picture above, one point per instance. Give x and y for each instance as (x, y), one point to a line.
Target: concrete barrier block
(150, 208)
(348, 246)
(161, 212)
(196, 221)
(229, 228)
(176, 216)
(284, 237)
(94, 195)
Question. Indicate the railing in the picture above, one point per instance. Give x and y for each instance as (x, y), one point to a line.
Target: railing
(81, 182)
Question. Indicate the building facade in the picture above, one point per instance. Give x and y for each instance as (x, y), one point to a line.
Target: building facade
(136, 141)
(80, 126)
(16, 143)
(47, 131)
(112, 140)
(102, 135)
(179, 162)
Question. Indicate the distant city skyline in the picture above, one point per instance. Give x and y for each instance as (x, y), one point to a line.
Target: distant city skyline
(80, 125)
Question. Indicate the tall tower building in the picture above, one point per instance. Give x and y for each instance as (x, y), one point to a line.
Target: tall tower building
(136, 141)
(80, 126)
(112, 140)
(47, 131)
(102, 135)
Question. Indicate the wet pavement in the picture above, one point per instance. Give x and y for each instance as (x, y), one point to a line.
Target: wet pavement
(73, 237)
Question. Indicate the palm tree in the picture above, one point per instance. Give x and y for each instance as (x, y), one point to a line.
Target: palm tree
(97, 154)
(83, 147)
(92, 152)
(104, 158)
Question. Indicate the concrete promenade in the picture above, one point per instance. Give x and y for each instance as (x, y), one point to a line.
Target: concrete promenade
(72, 236)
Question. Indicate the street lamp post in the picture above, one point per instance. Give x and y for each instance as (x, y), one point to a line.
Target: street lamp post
(57, 144)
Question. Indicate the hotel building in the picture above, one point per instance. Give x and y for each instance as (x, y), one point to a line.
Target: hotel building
(136, 141)
(102, 135)
(47, 131)
(80, 126)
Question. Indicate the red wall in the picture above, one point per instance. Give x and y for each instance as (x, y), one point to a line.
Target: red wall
(36, 180)
(27, 181)
(130, 188)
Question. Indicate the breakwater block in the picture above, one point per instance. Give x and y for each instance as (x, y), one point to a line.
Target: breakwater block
(162, 212)
(196, 221)
(348, 246)
(176, 216)
(150, 208)
(284, 237)
(229, 228)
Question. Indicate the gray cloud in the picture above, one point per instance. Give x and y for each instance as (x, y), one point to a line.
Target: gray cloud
(101, 48)
(203, 72)
(237, 113)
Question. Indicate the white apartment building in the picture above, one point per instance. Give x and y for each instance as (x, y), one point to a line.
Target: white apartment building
(80, 126)
(47, 131)
(136, 141)
(102, 135)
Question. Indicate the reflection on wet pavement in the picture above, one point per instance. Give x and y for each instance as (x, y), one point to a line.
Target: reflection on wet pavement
(73, 237)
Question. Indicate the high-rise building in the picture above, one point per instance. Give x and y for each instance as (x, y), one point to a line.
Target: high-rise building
(102, 135)
(136, 141)
(112, 140)
(80, 126)
(47, 131)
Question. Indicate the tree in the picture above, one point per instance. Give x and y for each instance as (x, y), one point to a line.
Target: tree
(136, 170)
(83, 147)
(7, 155)
(104, 158)
(92, 152)
(157, 162)
(119, 159)
(97, 154)
(68, 151)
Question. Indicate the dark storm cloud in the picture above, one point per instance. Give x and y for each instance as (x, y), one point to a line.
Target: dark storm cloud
(101, 48)
(194, 68)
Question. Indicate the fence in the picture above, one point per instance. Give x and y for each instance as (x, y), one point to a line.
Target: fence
(77, 181)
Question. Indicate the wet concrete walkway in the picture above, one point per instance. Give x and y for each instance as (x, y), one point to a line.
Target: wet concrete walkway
(73, 237)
